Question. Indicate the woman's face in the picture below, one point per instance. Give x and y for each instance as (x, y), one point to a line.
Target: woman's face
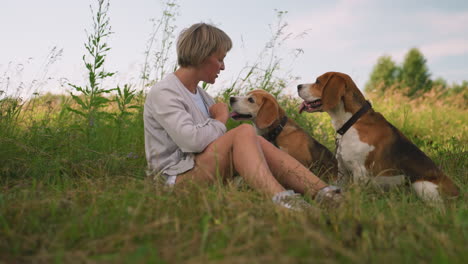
(211, 67)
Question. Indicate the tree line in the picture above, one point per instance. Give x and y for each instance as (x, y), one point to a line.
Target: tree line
(412, 77)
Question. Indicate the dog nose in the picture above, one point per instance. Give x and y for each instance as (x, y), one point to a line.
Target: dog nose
(299, 87)
(232, 100)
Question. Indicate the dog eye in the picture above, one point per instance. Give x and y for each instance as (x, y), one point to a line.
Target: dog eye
(317, 81)
(251, 100)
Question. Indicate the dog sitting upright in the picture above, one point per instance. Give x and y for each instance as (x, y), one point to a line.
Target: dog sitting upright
(368, 146)
(271, 122)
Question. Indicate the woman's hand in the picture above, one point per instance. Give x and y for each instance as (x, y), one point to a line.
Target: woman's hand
(220, 112)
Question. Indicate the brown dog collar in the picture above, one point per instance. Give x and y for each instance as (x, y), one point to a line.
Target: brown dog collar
(271, 136)
(354, 118)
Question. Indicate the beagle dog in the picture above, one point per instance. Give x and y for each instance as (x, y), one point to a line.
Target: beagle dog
(271, 122)
(368, 146)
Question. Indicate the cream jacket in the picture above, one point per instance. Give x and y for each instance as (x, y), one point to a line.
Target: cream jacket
(175, 128)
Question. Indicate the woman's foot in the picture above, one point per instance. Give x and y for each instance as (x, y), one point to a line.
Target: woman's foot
(329, 196)
(291, 200)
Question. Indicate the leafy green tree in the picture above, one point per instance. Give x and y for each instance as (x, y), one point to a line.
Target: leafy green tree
(384, 75)
(459, 89)
(415, 75)
(440, 84)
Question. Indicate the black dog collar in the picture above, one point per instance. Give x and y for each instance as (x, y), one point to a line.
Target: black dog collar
(271, 136)
(354, 118)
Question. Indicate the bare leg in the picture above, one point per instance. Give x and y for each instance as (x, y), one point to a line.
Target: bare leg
(241, 146)
(289, 172)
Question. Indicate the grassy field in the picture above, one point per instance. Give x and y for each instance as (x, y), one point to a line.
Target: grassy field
(74, 193)
(73, 186)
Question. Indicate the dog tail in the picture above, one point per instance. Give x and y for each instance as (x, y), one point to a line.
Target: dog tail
(433, 190)
(447, 187)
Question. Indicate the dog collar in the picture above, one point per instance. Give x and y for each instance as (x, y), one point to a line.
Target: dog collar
(354, 118)
(271, 136)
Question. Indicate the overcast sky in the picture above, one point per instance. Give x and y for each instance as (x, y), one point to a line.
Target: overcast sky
(343, 35)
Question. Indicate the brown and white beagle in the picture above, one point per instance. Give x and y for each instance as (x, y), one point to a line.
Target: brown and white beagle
(368, 146)
(271, 122)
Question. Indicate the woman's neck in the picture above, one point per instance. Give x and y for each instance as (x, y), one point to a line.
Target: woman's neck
(188, 77)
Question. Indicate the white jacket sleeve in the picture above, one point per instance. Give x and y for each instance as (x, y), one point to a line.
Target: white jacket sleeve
(170, 111)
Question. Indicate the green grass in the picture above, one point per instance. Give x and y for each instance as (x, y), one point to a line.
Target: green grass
(68, 198)
(122, 219)
(73, 190)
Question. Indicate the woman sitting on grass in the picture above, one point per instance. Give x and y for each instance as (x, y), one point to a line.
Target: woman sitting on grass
(186, 138)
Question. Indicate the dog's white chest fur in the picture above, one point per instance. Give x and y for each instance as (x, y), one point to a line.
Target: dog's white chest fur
(352, 154)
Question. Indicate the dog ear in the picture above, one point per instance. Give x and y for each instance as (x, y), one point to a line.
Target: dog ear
(332, 92)
(351, 86)
(268, 112)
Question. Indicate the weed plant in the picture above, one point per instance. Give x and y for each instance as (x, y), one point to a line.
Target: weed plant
(92, 98)
(159, 46)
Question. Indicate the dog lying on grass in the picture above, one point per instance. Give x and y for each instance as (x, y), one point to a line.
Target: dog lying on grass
(271, 122)
(368, 146)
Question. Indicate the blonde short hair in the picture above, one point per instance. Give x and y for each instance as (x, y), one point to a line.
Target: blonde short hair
(200, 41)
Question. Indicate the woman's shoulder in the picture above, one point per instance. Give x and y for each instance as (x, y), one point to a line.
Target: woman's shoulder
(167, 85)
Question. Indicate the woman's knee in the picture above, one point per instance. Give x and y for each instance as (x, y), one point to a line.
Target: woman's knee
(246, 130)
(262, 140)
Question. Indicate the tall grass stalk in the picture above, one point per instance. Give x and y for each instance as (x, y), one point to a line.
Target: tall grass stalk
(16, 89)
(159, 45)
(126, 101)
(267, 71)
(91, 97)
